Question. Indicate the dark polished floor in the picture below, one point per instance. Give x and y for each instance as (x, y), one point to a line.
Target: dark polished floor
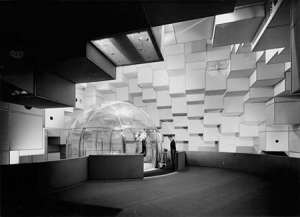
(198, 191)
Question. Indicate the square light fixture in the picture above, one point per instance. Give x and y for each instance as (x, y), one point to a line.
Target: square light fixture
(130, 48)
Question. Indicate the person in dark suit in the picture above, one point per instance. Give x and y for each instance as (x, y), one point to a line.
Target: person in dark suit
(173, 149)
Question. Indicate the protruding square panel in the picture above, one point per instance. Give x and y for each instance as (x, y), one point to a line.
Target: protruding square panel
(260, 56)
(54, 118)
(259, 94)
(130, 71)
(165, 114)
(161, 79)
(194, 30)
(212, 119)
(159, 65)
(237, 87)
(180, 121)
(230, 124)
(145, 77)
(79, 99)
(239, 26)
(210, 134)
(164, 99)
(233, 106)
(274, 141)
(195, 126)
(121, 80)
(267, 75)
(215, 82)
(179, 106)
(109, 97)
(105, 87)
(177, 86)
(152, 107)
(181, 134)
(243, 48)
(227, 139)
(195, 46)
(213, 103)
(278, 55)
(176, 65)
(194, 142)
(170, 38)
(91, 97)
(174, 49)
(195, 57)
(138, 101)
(195, 111)
(218, 53)
(283, 88)
(294, 139)
(134, 89)
(195, 81)
(283, 111)
(167, 128)
(242, 65)
(248, 129)
(229, 148)
(195, 65)
(154, 116)
(208, 147)
(254, 112)
(244, 149)
(149, 95)
(195, 98)
(122, 94)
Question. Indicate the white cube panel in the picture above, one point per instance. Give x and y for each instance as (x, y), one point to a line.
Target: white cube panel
(230, 124)
(283, 88)
(212, 119)
(237, 87)
(195, 46)
(259, 94)
(176, 65)
(177, 86)
(233, 106)
(134, 89)
(195, 98)
(227, 139)
(273, 141)
(165, 114)
(229, 148)
(242, 65)
(167, 128)
(246, 141)
(195, 81)
(210, 134)
(181, 134)
(174, 49)
(194, 142)
(105, 87)
(138, 101)
(151, 107)
(195, 126)
(195, 65)
(254, 112)
(213, 103)
(179, 106)
(149, 95)
(248, 129)
(218, 53)
(159, 65)
(164, 99)
(170, 38)
(121, 80)
(160, 79)
(215, 82)
(195, 57)
(145, 77)
(180, 121)
(109, 97)
(195, 111)
(122, 94)
(130, 71)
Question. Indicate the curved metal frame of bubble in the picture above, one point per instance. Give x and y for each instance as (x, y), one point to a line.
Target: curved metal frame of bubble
(158, 145)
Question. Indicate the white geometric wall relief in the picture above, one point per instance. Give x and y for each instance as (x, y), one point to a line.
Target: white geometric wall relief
(195, 81)
(79, 99)
(195, 65)
(195, 57)
(278, 55)
(210, 134)
(213, 103)
(104, 87)
(174, 49)
(260, 56)
(130, 72)
(253, 112)
(159, 65)
(283, 111)
(144, 108)
(218, 53)
(195, 98)
(54, 118)
(243, 48)
(160, 79)
(208, 147)
(283, 88)
(177, 86)
(248, 129)
(143, 65)
(176, 65)
(167, 128)
(245, 149)
(134, 89)
(122, 94)
(195, 46)
(145, 77)
(138, 101)
(194, 142)
(181, 145)
(259, 94)
(181, 134)
(170, 38)
(274, 139)
(151, 107)
(267, 75)
(179, 106)
(237, 87)
(241, 65)
(195, 126)
(180, 121)
(233, 106)
(109, 97)
(165, 114)
(168, 28)
(294, 139)
(230, 124)
(164, 99)
(194, 30)
(91, 97)
(227, 142)
(149, 95)
(215, 77)
(212, 119)
(154, 116)
(121, 80)
(195, 111)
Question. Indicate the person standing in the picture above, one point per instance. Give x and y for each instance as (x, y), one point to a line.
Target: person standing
(142, 137)
(173, 149)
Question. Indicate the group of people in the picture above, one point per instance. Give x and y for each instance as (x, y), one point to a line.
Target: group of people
(142, 137)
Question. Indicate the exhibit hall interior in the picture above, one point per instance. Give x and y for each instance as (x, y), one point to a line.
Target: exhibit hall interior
(99, 93)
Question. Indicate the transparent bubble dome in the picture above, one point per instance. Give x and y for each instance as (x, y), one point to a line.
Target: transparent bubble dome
(111, 128)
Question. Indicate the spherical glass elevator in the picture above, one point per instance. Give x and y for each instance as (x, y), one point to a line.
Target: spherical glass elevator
(111, 128)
